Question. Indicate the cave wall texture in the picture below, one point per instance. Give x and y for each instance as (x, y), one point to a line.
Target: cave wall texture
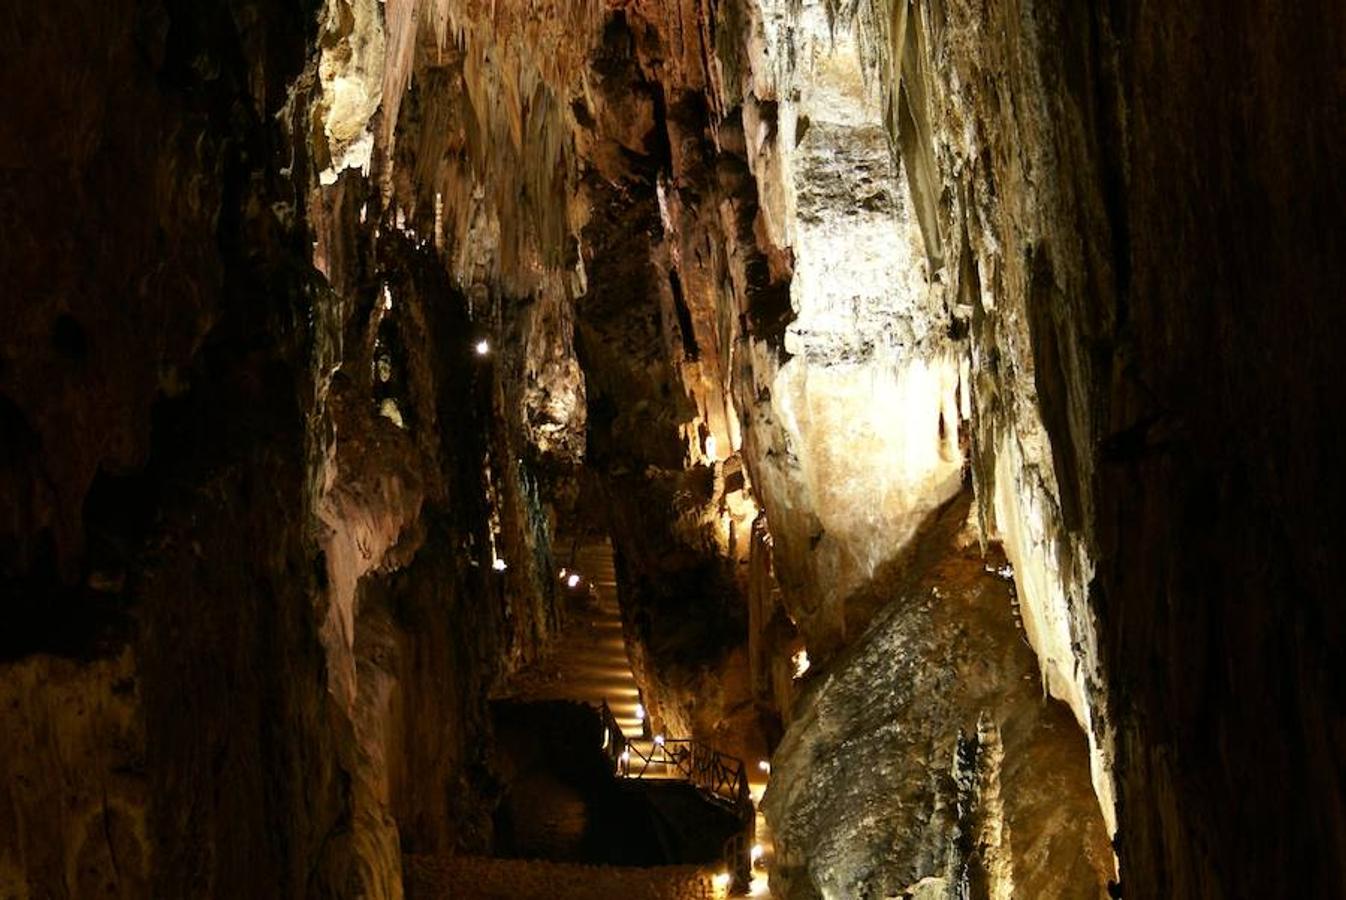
(836, 318)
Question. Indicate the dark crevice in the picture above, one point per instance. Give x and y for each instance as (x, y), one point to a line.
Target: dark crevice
(685, 329)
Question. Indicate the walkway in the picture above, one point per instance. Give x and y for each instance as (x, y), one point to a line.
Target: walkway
(589, 662)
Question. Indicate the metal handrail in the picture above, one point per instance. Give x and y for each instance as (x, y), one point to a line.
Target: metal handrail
(723, 776)
(715, 774)
(718, 774)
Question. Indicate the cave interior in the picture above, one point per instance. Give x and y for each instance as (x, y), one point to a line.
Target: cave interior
(672, 449)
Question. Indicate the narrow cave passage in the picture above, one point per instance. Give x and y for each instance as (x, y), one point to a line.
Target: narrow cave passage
(671, 450)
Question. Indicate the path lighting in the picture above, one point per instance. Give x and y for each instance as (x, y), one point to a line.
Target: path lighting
(640, 713)
(756, 853)
(573, 580)
(764, 766)
(721, 880)
(499, 565)
(483, 347)
(659, 740)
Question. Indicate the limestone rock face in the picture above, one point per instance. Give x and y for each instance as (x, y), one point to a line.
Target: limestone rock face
(855, 415)
(926, 762)
(86, 830)
(166, 731)
(1115, 212)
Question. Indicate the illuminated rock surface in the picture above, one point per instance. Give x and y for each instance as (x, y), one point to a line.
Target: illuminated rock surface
(925, 758)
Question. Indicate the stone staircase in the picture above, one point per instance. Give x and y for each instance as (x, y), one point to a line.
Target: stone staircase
(589, 664)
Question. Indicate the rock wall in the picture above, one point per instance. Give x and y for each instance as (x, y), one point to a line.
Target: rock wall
(255, 477)
(854, 413)
(169, 735)
(652, 337)
(1148, 276)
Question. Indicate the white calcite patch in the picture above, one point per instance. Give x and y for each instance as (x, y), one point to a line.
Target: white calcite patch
(1052, 600)
(860, 442)
(350, 71)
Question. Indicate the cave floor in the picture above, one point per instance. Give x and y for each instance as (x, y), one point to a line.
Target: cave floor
(478, 878)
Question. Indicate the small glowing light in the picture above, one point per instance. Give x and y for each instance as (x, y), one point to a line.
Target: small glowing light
(640, 713)
(626, 756)
(721, 880)
(573, 580)
(561, 574)
(607, 739)
(764, 765)
(801, 662)
(483, 347)
(756, 852)
(499, 564)
(710, 446)
(659, 740)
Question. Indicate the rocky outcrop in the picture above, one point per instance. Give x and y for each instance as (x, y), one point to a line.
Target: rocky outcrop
(925, 762)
